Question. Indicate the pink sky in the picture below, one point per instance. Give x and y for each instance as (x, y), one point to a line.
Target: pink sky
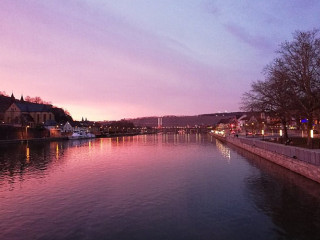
(108, 60)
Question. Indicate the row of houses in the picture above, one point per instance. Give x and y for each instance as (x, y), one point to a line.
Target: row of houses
(21, 119)
(255, 122)
(21, 116)
(18, 114)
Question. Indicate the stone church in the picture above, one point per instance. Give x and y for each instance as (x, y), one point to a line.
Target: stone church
(22, 113)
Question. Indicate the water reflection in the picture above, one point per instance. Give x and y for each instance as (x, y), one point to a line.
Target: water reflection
(175, 139)
(57, 151)
(35, 158)
(291, 200)
(164, 186)
(27, 154)
(31, 159)
(224, 150)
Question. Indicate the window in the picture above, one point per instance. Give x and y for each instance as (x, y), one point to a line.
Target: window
(38, 118)
(44, 118)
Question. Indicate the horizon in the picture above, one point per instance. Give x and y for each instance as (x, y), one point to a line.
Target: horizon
(3, 93)
(115, 60)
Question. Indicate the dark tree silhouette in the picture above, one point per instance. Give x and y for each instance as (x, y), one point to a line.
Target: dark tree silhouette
(271, 95)
(302, 65)
(38, 100)
(292, 81)
(3, 93)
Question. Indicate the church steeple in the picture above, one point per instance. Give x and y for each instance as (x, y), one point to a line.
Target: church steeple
(12, 98)
(21, 99)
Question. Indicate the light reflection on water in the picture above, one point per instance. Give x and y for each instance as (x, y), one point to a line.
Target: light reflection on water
(224, 150)
(151, 187)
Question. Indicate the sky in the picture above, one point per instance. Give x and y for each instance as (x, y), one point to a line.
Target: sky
(108, 60)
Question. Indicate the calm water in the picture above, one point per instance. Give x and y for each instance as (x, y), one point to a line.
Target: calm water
(151, 187)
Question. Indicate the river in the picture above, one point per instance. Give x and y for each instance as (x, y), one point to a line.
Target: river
(151, 187)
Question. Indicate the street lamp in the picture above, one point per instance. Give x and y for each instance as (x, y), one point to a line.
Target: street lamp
(27, 131)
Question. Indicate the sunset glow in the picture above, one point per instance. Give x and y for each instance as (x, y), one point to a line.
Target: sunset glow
(108, 60)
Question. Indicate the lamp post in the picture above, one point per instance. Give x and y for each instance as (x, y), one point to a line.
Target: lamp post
(27, 131)
(252, 129)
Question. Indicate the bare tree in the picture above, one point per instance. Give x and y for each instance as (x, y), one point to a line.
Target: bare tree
(3, 93)
(271, 95)
(301, 58)
(36, 100)
(292, 81)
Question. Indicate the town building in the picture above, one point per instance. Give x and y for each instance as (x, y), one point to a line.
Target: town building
(5, 102)
(67, 127)
(21, 113)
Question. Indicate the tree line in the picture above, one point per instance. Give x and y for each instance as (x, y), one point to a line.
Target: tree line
(37, 99)
(291, 84)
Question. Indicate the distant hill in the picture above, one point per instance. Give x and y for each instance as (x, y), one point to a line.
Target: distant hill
(183, 121)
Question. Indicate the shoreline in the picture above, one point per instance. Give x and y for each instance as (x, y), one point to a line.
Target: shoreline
(53, 139)
(300, 161)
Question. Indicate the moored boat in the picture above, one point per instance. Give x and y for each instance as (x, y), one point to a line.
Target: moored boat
(81, 135)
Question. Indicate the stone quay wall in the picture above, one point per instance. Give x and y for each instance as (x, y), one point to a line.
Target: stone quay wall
(305, 162)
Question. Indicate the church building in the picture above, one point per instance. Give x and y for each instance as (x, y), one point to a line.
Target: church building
(22, 113)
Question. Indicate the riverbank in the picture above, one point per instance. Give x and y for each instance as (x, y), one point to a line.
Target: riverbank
(305, 162)
(47, 139)
(52, 139)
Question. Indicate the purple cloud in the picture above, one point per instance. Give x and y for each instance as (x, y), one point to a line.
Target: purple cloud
(241, 34)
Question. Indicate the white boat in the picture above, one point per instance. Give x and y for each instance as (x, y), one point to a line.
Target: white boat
(81, 135)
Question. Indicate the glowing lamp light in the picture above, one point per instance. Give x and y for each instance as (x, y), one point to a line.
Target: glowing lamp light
(262, 132)
(280, 132)
(311, 133)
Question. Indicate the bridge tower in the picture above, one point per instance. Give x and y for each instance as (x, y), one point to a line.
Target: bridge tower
(159, 122)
